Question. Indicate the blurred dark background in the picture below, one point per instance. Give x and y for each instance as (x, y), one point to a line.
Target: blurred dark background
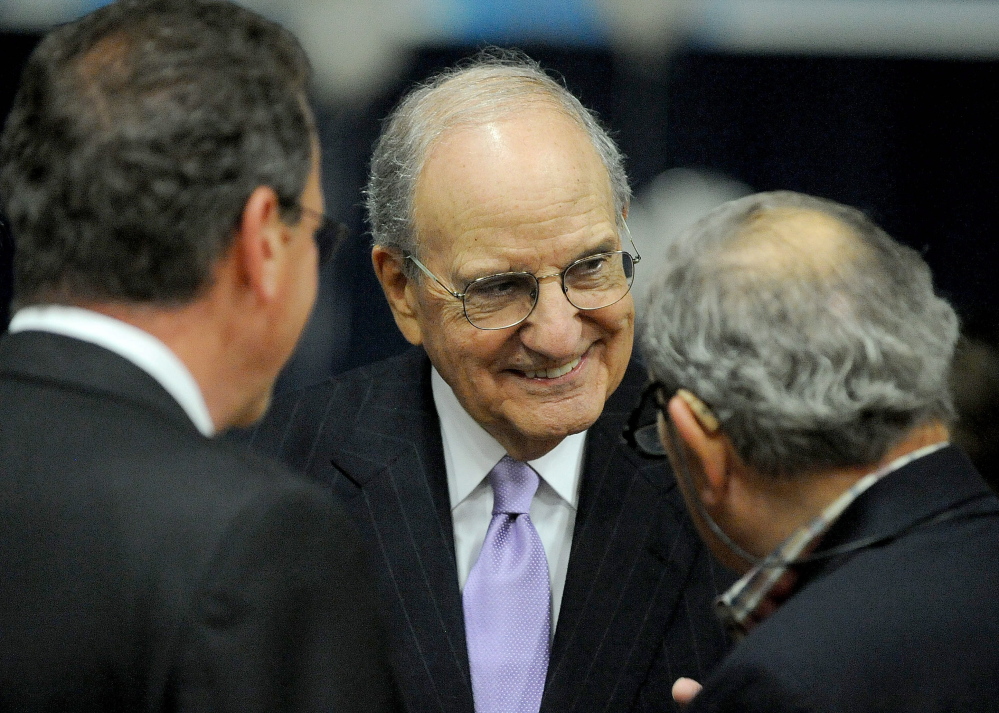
(907, 136)
(911, 142)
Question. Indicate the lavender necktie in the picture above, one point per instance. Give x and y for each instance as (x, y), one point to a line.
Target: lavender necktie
(507, 600)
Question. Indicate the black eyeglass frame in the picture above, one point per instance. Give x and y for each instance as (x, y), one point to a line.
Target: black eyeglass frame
(329, 235)
(635, 259)
(644, 437)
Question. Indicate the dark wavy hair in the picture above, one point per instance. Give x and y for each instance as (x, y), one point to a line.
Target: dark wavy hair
(135, 139)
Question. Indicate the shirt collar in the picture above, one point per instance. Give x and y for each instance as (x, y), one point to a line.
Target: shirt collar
(470, 452)
(139, 347)
(765, 587)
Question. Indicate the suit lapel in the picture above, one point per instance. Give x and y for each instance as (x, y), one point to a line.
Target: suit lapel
(631, 554)
(390, 471)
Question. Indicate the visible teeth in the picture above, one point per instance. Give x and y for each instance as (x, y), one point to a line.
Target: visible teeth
(552, 373)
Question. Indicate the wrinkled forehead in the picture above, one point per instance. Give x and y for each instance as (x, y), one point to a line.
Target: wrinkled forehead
(519, 178)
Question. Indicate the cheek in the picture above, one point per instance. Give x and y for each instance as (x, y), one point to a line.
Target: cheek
(445, 332)
(618, 327)
(618, 318)
(303, 274)
(466, 357)
(471, 356)
(311, 289)
(304, 300)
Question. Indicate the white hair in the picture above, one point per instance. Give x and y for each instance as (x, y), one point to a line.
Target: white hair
(495, 83)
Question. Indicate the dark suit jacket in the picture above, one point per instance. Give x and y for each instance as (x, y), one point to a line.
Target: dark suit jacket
(636, 611)
(145, 567)
(909, 624)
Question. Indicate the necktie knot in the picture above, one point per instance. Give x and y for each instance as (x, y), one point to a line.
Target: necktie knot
(514, 484)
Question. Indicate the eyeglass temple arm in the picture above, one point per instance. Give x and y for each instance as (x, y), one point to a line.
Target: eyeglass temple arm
(457, 295)
(636, 258)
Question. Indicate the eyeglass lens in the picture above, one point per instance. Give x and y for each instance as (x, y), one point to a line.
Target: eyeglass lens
(647, 439)
(329, 234)
(593, 282)
(639, 432)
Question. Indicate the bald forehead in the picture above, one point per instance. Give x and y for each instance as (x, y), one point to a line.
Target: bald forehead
(537, 160)
(451, 118)
(537, 129)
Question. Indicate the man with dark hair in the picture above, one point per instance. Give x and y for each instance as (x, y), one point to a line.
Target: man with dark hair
(800, 362)
(527, 558)
(160, 172)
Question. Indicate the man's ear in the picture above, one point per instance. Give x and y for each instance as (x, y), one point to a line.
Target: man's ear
(704, 415)
(700, 431)
(399, 291)
(259, 243)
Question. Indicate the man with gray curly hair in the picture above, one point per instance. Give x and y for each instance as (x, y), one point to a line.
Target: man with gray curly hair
(799, 360)
(528, 558)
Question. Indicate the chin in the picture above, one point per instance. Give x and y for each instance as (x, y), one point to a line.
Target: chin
(560, 424)
(571, 416)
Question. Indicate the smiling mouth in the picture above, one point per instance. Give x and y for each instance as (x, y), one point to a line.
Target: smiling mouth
(554, 372)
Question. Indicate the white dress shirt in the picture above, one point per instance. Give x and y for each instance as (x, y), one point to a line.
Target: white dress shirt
(139, 347)
(470, 453)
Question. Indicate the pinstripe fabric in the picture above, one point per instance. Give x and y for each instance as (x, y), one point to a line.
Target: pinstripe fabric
(636, 611)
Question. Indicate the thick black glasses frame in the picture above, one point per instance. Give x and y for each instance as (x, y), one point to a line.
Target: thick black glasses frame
(644, 437)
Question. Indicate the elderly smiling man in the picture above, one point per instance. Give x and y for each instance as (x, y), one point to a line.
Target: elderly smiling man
(528, 558)
(800, 361)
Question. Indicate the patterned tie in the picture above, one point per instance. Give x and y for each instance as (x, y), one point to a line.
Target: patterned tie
(507, 600)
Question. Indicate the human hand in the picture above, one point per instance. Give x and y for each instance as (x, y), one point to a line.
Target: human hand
(684, 690)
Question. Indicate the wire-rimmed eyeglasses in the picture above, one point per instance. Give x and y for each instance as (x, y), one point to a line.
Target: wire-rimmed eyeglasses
(506, 299)
(329, 234)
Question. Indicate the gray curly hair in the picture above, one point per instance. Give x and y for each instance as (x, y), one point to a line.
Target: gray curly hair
(815, 348)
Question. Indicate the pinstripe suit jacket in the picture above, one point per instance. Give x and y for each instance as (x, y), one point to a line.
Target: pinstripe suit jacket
(636, 610)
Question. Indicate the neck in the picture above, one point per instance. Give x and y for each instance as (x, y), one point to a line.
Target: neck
(789, 503)
(200, 338)
(524, 451)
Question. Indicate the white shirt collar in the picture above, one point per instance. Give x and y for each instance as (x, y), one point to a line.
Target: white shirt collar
(139, 347)
(470, 452)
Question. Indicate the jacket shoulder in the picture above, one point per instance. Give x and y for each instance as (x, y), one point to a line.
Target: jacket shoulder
(297, 420)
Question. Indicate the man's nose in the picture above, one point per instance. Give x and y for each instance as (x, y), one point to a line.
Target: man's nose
(554, 327)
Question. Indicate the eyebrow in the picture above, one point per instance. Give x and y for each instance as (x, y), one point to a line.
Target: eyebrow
(606, 245)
